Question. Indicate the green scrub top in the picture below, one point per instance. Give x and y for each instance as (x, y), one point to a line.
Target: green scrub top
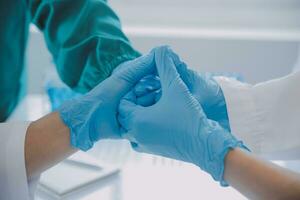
(83, 36)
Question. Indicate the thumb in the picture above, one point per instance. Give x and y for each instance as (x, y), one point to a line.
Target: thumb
(132, 72)
(126, 113)
(166, 68)
(127, 105)
(186, 74)
(126, 109)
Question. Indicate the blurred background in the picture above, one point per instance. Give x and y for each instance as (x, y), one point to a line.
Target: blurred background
(257, 38)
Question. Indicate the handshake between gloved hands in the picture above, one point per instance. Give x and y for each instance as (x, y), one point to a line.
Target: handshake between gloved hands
(161, 107)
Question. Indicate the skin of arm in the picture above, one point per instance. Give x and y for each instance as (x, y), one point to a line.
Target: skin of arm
(47, 142)
(258, 179)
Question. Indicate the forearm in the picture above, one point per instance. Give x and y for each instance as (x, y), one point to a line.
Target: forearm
(258, 179)
(47, 143)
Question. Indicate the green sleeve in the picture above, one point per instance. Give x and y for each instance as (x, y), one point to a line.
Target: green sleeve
(84, 37)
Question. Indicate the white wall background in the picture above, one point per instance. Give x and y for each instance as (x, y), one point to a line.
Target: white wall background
(257, 38)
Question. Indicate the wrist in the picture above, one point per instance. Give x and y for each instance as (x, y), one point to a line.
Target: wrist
(219, 143)
(47, 142)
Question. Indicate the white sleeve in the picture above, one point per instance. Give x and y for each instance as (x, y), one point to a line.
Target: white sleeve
(13, 180)
(266, 116)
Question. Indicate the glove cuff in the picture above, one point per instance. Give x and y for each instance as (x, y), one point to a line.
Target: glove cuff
(219, 142)
(68, 113)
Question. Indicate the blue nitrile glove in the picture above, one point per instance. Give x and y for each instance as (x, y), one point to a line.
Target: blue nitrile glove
(203, 87)
(176, 126)
(59, 94)
(94, 116)
(148, 90)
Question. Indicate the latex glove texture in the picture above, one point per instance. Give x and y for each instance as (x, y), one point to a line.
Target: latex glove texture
(94, 116)
(202, 85)
(176, 125)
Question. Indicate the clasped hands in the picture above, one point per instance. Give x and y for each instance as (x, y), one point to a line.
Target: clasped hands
(162, 107)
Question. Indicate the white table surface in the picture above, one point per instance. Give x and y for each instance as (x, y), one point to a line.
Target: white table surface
(142, 176)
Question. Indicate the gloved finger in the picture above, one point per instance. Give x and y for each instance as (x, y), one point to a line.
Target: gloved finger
(165, 67)
(130, 96)
(143, 89)
(124, 123)
(126, 107)
(150, 77)
(127, 77)
(146, 85)
(158, 95)
(138, 68)
(175, 57)
(225, 124)
(186, 74)
(189, 76)
(150, 99)
(173, 74)
(147, 99)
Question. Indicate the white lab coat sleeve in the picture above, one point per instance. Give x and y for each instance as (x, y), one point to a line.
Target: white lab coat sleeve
(266, 116)
(13, 180)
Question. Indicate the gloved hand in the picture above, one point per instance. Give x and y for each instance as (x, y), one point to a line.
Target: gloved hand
(203, 87)
(176, 126)
(148, 90)
(207, 92)
(94, 116)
